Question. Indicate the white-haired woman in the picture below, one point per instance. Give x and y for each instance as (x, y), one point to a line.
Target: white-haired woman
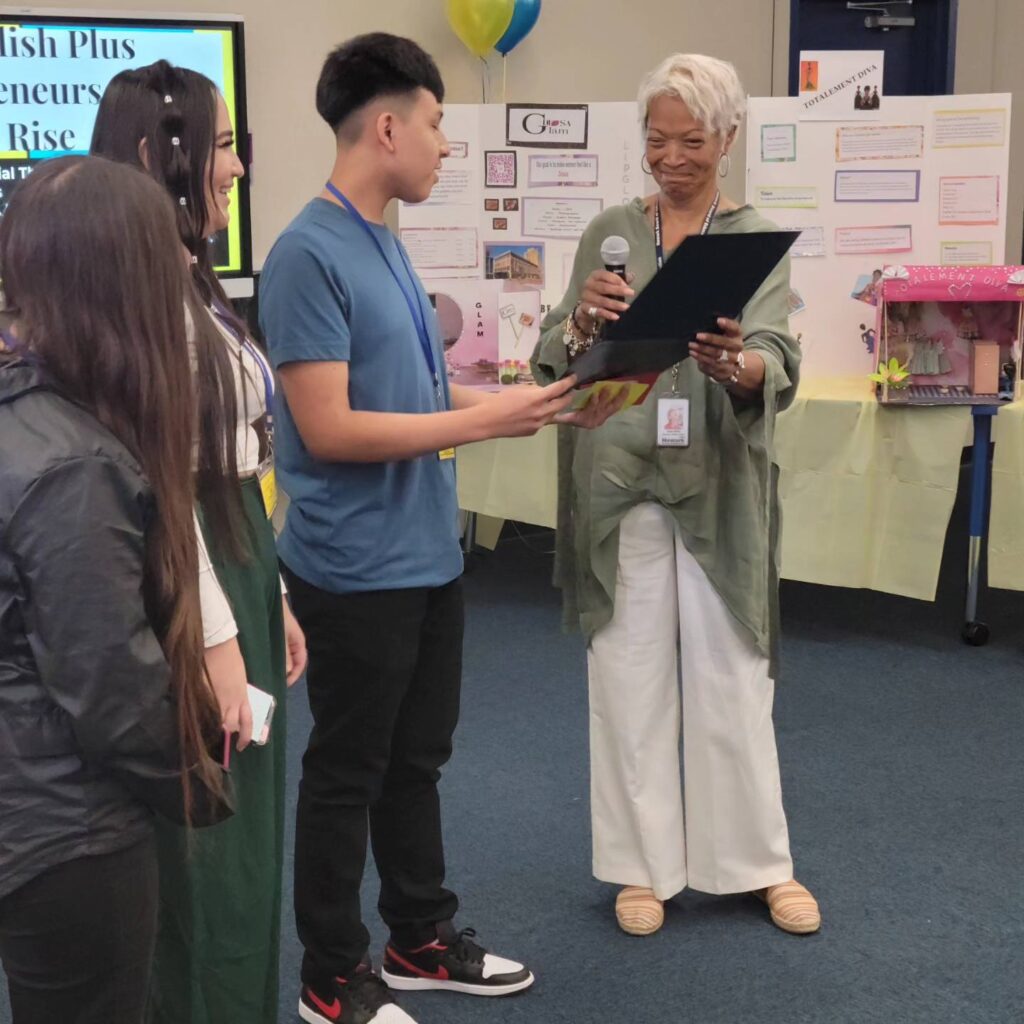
(666, 553)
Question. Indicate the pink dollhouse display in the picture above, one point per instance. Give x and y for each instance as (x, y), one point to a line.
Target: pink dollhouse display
(957, 330)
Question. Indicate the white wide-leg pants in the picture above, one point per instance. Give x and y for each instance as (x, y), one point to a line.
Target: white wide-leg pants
(725, 830)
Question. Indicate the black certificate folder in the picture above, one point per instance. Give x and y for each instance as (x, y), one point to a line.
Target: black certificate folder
(707, 277)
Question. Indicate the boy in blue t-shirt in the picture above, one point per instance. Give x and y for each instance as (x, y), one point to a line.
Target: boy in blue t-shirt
(365, 438)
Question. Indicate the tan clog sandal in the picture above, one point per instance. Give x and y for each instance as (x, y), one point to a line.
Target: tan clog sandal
(639, 911)
(792, 907)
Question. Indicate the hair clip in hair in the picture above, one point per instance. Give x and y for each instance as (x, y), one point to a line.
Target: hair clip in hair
(195, 260)
(168, 98)
(175, 141)
(182, 201)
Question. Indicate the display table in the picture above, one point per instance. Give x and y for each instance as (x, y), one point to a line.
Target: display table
(867, 491)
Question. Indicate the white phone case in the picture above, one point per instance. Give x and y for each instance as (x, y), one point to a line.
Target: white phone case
(262, 705)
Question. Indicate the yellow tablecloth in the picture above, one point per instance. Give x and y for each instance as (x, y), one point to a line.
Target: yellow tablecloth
(867, 491)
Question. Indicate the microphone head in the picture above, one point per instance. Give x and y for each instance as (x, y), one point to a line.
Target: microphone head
(615, 251)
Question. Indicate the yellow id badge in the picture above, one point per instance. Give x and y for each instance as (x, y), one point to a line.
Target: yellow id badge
(268, 487)
(446, 454)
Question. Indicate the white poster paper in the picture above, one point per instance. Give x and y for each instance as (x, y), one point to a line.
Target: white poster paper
(841, 85)
(778, 143)
(877, 186)
(882, 239)
(544, 217)
(786, 196)
(965, 254)
(574, 170)
(879, 142)
(960, 129)
(972, 199)
(810, 243)
(442, 248)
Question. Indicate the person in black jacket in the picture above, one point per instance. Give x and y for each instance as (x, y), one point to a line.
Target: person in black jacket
(105, 714)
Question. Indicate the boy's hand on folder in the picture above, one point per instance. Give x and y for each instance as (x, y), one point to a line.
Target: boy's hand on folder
(601, 298)
(522, 409)
(606, 403)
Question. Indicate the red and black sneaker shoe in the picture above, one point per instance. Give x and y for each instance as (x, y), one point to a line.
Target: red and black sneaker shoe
(455, 963)
(360, 999)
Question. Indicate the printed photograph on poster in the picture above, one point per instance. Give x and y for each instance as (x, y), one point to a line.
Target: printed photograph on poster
(499, 223)
(573, 170)
(967, 129)
(778, 143)
(877, 186)
(510, 205)
(492, 205)
(795, 197)
(558, 218)
(487, 332)
(458, 150)
(547, 125)
(500, 170)
(881, 239)
(841, 85)
(468, 324)
(518, 333)
(810, 243)
(969, 200)
(868, 287)
(796, 302)
(432, 249)
(965, 254)
(514, 262)
(879, 142)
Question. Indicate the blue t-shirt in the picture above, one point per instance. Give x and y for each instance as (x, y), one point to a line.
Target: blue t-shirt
(326, 294)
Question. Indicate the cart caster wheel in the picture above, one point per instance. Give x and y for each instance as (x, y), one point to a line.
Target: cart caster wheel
(974, 633)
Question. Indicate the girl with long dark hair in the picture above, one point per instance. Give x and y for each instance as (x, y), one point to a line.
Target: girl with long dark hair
(217, 951)
(105, 712)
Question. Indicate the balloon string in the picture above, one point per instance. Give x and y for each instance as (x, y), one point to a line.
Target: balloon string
(483, 80)
(504, 78)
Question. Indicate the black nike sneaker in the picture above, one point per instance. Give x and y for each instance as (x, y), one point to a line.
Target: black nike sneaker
(360, 999)
(455, 963)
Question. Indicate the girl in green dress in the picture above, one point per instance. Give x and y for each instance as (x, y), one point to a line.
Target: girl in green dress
(220, 906)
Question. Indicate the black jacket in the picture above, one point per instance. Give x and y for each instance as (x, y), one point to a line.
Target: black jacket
(88, 734)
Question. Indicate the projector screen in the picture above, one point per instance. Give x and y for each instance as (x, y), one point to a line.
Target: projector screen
(54, 68)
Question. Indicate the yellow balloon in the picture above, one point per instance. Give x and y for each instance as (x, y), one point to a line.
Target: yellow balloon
(479, 23)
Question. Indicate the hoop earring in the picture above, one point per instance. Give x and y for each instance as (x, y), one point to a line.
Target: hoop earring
(728, 165)
(646, 169)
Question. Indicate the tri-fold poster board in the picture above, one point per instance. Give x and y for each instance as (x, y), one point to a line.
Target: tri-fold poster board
(923, 182)
(495, 242)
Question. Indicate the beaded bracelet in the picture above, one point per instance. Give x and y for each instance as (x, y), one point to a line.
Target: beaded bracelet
(576, 343)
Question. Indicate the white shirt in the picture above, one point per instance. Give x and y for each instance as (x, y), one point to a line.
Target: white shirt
(250, 395)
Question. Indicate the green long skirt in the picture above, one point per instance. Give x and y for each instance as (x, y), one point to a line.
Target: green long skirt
(220, 888)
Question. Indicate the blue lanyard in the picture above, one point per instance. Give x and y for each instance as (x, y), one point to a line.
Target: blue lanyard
(268, 381)
(658, 249)
(411, 299)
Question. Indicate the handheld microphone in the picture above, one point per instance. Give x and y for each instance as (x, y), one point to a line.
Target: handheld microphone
(614, 255)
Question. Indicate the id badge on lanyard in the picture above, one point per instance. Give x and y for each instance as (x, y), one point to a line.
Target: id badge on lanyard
(411, 300)
(673, 424)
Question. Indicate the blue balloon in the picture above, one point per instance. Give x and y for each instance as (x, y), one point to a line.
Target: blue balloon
(524, 17)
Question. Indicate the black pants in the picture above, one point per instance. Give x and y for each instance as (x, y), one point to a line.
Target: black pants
(384, 675)
(77, 941)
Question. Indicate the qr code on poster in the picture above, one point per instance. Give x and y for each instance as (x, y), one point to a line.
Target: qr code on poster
(500, 170)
